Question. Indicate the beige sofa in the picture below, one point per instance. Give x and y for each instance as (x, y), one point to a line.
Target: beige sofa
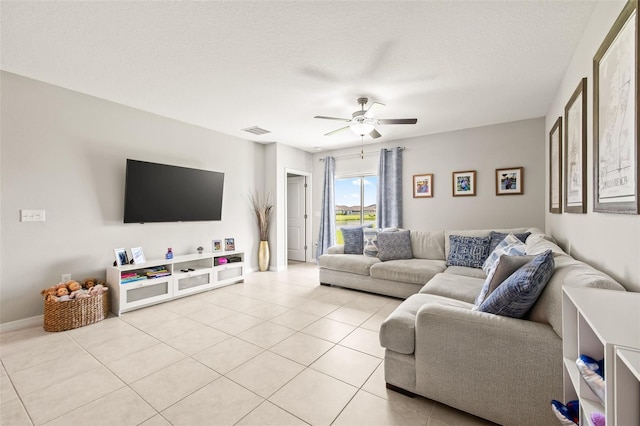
(503, 369)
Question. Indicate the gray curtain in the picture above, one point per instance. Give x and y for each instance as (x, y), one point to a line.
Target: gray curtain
(327, 236)
(390, 188)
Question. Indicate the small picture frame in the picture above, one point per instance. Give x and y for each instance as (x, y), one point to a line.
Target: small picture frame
(229, 244)
(138, 255)
(216, 246)
(423, 186)
(121, 256)
(464, 183)
(509, 181)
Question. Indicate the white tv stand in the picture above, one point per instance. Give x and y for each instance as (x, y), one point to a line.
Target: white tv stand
(187, 275)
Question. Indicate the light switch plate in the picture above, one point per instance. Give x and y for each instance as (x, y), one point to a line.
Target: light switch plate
(32, 216)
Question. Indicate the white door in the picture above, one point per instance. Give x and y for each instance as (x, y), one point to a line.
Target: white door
(296, 218)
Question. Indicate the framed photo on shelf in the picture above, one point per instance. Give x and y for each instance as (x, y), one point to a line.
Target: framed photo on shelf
(229, 244)
(138, 255)
(555, 167)
(464, 183)
(121, 256)
(615, 117)
(216, 246)
(423, 186)
(575, 151)
(509, 181)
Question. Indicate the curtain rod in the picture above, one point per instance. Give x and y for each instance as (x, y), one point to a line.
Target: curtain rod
(403, 148)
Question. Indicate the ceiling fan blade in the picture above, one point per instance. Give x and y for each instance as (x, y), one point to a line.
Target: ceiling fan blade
(373, 110)
(398, 121)
(337, 131)
(374, 134)
(332, 118)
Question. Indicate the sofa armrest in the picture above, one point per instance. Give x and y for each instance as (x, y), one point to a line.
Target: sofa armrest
(503, 369)
(337, 249)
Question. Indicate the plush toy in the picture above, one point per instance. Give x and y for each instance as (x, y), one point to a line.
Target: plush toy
(79, 294)
(62, 291)
(97, 289)
(73, 286)
(89, 282)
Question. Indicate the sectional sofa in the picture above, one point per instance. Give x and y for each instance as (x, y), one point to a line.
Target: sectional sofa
(503, 369)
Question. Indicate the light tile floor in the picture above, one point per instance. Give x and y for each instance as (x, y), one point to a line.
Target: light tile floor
(278, 349)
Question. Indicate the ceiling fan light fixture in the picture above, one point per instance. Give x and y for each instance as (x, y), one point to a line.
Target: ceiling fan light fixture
(362, 129)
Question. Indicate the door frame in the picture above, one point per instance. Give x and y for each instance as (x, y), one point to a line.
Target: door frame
(308, 254)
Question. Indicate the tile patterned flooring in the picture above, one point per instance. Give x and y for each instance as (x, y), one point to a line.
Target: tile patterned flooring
(278, 349)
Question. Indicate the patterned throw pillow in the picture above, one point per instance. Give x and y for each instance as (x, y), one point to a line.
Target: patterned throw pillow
(370, 242)
(518, 293)
(497, 237)
(394, 245)
(509, 245)
(353, 239)
(468, 251)
(503, 268)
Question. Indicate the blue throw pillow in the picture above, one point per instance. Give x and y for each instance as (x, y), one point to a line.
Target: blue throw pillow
(518, 293)
(353, 239)
(468, 251)
(393, 245)
(497, 237)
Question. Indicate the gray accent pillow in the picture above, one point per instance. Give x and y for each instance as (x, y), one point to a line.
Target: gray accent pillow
(394, 245)
(468, 251)
(518, 293)
(505, 266)
(370, 247)
(353, 239)
(497, 237)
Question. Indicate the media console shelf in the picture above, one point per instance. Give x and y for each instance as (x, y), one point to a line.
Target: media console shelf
(603, 324)
(155, 281)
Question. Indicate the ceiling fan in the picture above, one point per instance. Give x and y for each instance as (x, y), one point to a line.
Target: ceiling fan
(363, 122)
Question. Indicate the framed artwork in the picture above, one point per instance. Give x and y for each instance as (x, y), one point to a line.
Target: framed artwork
(229, 244)
(575, 151)
(464, 183)
(423, 186)
(121, 256)
(615, 117)
(216, 246)
(509, 181)
(138, 255)
(555, 167)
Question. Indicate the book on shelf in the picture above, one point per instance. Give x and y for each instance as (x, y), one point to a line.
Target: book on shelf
(132, 279)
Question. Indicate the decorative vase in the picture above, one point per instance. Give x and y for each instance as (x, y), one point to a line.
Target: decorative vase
(263, 256)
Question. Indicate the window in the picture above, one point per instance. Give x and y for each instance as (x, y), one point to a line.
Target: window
(351, 194)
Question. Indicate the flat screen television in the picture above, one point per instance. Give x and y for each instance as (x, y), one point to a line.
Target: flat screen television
(164, 193)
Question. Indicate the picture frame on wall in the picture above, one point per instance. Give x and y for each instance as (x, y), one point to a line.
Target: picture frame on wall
(509, 181)
(615, 117)
(464, 183)
(423, 185)
(575, 151)
(121, 256)
(229, 244)
(555, 167)
(216, 246)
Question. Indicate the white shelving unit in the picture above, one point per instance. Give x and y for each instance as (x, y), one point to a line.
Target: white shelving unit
(189, 274)
(603, 324)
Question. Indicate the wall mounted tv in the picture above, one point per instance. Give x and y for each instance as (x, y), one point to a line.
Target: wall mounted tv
(163, 193)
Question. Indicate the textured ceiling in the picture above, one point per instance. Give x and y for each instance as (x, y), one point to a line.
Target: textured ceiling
(232, 65)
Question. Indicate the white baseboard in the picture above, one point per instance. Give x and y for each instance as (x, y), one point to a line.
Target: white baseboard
(6, 327)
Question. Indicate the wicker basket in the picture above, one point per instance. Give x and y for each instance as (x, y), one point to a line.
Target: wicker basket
(61, 316)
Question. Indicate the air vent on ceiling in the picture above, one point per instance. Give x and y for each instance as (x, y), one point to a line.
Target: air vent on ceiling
(257, 130)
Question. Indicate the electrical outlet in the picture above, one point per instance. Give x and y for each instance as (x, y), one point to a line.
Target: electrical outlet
(32, 216)
(65, 278)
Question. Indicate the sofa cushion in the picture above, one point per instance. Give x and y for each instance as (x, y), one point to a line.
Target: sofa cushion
(428, 244)
(394, 245)
(457, 287)
(509, 245)
(397, 332)
(504, 267)
(353, 239)
(416, 271)
(466, 272)
(518, 293)
(356, 264)
(539, 243)
(497, 237)
(476, 233)
(468, 251)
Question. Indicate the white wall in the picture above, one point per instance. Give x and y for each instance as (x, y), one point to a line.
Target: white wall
(610, 242)
(65, 152)
(516, 144)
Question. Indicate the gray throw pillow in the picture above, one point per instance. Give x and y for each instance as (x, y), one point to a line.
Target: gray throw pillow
(497, 237)
(506, 266)
(394, 245)
(353, 239)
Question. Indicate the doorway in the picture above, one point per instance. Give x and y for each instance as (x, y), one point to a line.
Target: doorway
(297, 217)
